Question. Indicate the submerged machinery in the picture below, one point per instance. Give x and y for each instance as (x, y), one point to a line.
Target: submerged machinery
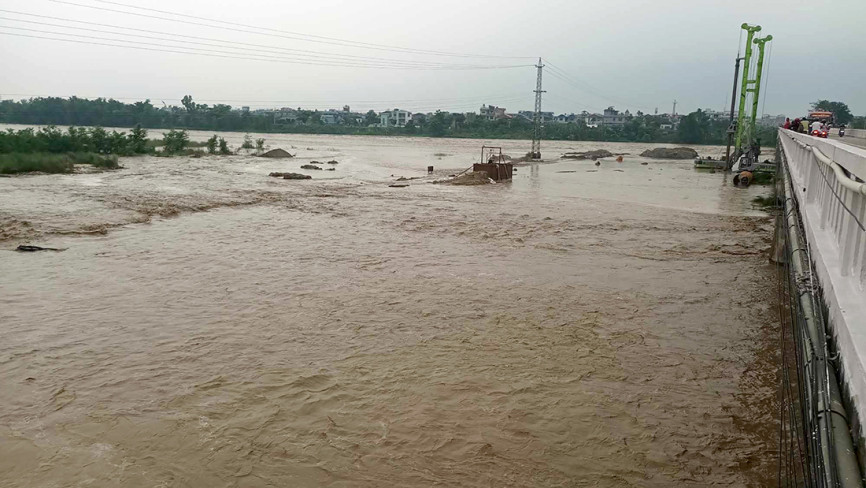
(742, 132)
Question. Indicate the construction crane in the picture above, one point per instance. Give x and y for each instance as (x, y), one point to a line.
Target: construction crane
(742, 132)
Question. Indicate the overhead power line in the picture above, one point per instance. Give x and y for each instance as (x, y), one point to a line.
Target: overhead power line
(575, 82)
(176, 44)
(234, 55)
(300, 52)
(260, 30)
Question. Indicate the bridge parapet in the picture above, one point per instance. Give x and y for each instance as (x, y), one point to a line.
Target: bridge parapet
(827, 178)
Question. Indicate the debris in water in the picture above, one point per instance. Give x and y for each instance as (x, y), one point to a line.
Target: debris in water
(468, 179)
(619, 159)
(571, 171)
(333, 162)
(398, 185)
(310, 166)
(291, 176)
(26, 248)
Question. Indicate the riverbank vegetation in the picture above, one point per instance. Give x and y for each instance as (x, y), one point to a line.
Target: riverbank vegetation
(695, 128)
(12, 163)
(74, 140)
(51, 150)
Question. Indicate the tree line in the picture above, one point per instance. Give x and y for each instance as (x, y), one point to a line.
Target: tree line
(694, 128)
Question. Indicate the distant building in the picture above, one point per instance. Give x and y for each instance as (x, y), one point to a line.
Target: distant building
(285, 116)
(245, 109)
(342, 117)
(492, 112)
(716, 115)
(565, 119)
(331, 117)
(612, 117)
(591, 120)
(529, 115)
(394, 118)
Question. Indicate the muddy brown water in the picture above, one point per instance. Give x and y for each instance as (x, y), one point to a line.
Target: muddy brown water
(210, 326)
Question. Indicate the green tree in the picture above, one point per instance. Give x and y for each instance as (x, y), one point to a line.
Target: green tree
(224, 147)
(438, 124)
(371, 118)
(260, 145)
(175, 141)
(188, 103)
(248, 142)
(211, 144)
(840, 110)
(694, 128)
(138, 140)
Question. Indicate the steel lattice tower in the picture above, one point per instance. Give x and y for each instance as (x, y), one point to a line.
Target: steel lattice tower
(536, 117)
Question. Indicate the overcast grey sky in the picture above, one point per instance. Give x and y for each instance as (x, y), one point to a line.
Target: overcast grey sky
(635, 55)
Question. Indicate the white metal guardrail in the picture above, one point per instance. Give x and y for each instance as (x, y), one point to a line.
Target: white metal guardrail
(837, 191)
(827, 179)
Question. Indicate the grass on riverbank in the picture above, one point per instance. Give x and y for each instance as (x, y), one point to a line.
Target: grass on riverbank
(12, 163)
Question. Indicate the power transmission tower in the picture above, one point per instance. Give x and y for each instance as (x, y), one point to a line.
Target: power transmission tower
(535, 154)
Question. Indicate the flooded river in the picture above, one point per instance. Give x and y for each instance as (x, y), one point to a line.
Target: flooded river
(209, 326)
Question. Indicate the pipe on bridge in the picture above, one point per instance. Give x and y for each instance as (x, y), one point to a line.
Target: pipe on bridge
(837, 446)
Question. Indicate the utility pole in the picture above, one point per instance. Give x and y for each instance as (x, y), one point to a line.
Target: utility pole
(535, 153)
(674, 113)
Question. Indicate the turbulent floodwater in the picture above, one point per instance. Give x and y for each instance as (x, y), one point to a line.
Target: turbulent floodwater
(210, 326)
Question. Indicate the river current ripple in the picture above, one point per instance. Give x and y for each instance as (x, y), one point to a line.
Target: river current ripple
(209, 326)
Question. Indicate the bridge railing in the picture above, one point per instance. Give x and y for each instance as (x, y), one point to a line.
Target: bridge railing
(827, 190)
(831, 176)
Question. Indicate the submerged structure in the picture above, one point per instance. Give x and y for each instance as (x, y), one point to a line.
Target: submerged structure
(494, 163)
(742, 135)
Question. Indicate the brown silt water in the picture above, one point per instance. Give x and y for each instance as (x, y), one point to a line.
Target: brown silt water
(210, 326)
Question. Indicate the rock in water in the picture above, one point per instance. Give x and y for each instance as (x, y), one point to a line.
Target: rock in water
(296, 176)
(670, 153)
(333, 162)
(310, 166)
(277, 153)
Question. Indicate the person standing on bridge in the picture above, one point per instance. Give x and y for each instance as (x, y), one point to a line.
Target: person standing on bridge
(804, 126)
(795, 126)
(787, 124)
